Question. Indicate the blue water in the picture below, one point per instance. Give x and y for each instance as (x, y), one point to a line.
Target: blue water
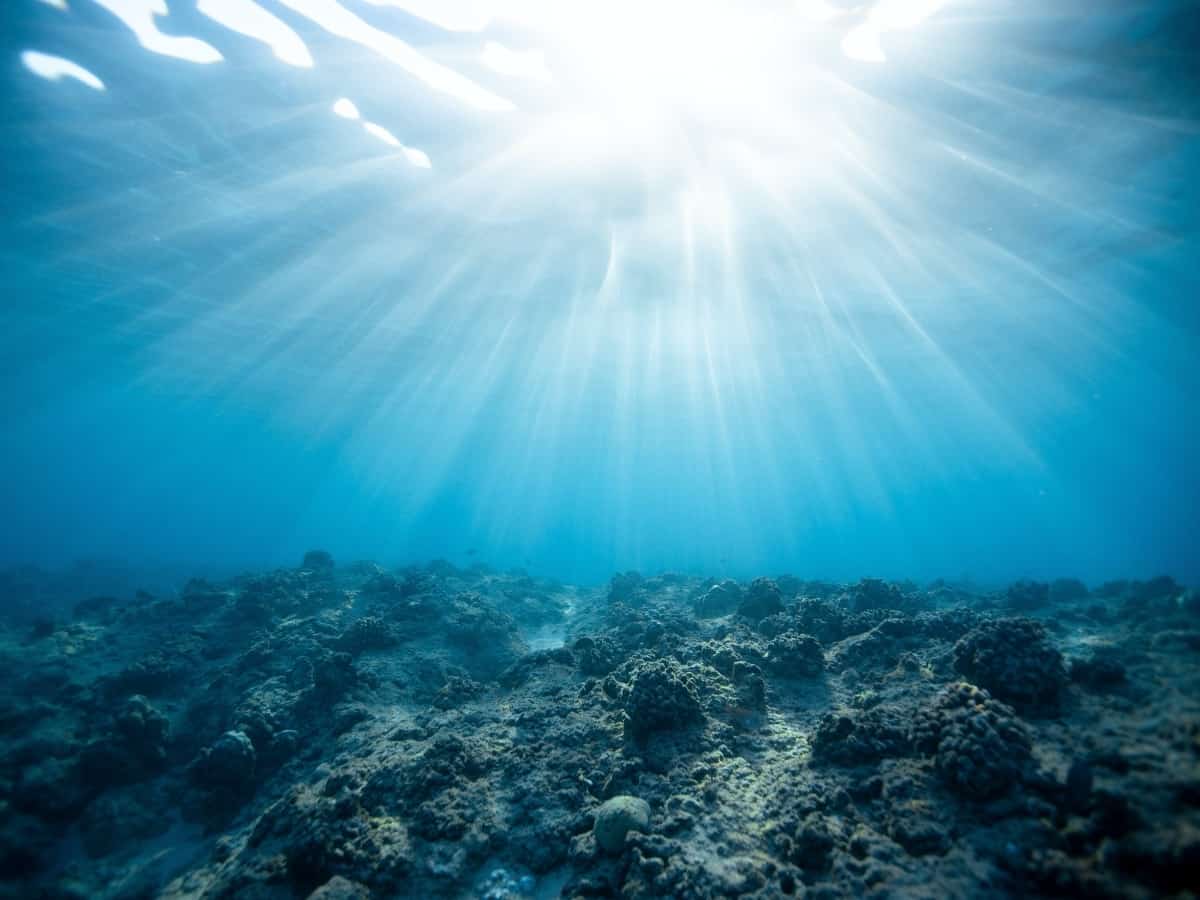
(714, 291)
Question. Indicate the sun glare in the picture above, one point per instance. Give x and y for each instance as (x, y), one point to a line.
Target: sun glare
(653, 63)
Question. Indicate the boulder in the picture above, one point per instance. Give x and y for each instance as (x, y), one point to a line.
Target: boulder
(618, 816)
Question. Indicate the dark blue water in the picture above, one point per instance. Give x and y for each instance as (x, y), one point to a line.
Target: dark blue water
(715, 291)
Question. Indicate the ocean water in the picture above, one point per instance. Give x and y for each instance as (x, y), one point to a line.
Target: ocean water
(907, 290)
(516, 449)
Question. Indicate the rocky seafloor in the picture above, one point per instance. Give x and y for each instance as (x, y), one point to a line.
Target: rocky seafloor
(344, 731)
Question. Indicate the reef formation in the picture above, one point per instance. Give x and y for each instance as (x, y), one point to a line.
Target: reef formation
(345, 731)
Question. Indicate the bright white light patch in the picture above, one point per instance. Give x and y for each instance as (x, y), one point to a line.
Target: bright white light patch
(248, 18)
(416, 157)
(138, 16)
(346, 109)
(52, 68)
(57, 4)
(653, 66)
(339, 21)
(892, 14)
(818, 10)
(382, 133)
(529, 64)
(862, 42)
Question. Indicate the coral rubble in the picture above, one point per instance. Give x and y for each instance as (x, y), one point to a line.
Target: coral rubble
(345, 731)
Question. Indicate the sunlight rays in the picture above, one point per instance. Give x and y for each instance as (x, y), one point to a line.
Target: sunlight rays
(754, 247)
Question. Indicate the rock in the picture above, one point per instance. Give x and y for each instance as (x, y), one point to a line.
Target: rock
(751, 688)
(317, 561)
(858, 738)
(1026, 596)
(135, 749)
(820, 618)
(459, 690)
(367, 633)
(914, 826)
(874, 593)
(348, 716)
(525, 667)
(153, 674)
(618, 816)
(795, 655)
(487, 637)
(302, 674)
(879, 649)
(340, 888)
(980, 747)
(1013, 659)
(313, 837)
(947, 624)
(623, 587)
(501, 884)
(812, 844)
(228, 765)
(595, 656)
(282, 746)
(144, 730)
(663, 697)
(260, 599)
(763, 598)
(719, 600)
(332, 675)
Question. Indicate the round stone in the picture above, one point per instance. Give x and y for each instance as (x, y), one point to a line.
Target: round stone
(618, 816)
